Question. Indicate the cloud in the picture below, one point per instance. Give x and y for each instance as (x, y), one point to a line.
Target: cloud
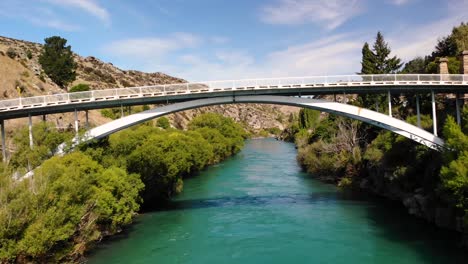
(36, 15)
(152, 47)
(326, 13)
(420, 40)
(89, 6)
(400, 2)
(219, 40)
(336, 54)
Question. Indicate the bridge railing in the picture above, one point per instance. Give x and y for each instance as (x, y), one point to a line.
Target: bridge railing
(226, 85)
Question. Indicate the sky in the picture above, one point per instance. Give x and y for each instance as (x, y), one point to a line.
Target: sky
(201, 40)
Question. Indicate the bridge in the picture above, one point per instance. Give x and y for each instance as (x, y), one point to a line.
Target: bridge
(287, 91)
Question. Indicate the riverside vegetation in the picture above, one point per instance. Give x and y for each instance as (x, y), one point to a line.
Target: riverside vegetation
(75, 200)
(430, 184)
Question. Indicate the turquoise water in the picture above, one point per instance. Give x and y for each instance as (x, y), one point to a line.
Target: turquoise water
(258, 207)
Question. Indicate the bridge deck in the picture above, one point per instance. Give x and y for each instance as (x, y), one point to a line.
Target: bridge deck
(349, 84)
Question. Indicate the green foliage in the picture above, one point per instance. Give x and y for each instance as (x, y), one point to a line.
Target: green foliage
(416, 65)
(163, 123)
(82, 87)
(377, 61)
(46, 139)
(226, 126)
(454, 173)
(57, 61)
(71, 200)
(308, 118)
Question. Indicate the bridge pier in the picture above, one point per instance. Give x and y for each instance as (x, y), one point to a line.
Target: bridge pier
(457, 106)
(434, 117)
(87, 119)
(76, 121)
(31, 143)
(4, 153)
(389, 103)
(418, 112)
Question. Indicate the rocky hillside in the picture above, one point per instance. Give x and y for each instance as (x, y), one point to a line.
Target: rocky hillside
(19, 67)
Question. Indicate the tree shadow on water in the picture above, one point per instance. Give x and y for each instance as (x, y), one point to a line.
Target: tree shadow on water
(430, 243)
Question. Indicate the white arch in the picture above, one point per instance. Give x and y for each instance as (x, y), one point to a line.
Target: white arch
(374, 118)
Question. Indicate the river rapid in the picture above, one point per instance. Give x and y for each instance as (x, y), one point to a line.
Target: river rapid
(259, 207)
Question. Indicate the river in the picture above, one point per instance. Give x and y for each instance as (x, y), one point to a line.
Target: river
(259, 207)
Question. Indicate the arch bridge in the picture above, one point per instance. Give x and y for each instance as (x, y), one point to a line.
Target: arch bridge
(287, 91)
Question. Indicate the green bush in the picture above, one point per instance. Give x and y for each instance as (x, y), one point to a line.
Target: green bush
(82, 87)
(163, 123)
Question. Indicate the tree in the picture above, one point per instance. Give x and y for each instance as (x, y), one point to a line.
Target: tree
(460, 37)
(383, 63)
(368, 60)
(57, 61)
(416, 65)
(377, 61)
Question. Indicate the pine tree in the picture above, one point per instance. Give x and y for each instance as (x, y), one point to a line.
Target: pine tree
(57, 61)
(383, 63)
(368, 60)
(377, 61)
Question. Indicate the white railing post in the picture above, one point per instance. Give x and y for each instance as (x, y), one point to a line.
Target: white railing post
(372, 78)
(233, 85)
(164, 89)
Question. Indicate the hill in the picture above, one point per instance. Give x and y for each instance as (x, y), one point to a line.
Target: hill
(19, 67)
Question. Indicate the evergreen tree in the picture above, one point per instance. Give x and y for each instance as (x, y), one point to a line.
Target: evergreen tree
(368, 60)
(383, 63)
(57, 61)
(377, 61)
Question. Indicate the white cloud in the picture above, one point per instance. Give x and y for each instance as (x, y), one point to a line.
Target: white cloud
(337, 54)
(219, 40)
(326, 13)
(400, 2)
(415, 40)
(89, 6)
(149, 50)
(39, 16)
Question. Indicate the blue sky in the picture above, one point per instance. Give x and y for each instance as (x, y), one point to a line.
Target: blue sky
(215, 39)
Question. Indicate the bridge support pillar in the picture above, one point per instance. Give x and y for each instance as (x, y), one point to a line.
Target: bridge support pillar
(31, 142)
(389, 103)
(434, 117)
(87, 119)
(457, 106)
(4, 147)
(76, 122)
(121, 111)
(418, 111)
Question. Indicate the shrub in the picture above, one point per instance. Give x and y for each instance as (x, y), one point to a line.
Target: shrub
(163, 123)
(82, 87)
(29, 54)
(11, 53)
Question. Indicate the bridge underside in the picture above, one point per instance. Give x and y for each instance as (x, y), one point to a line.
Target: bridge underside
(374, 118)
